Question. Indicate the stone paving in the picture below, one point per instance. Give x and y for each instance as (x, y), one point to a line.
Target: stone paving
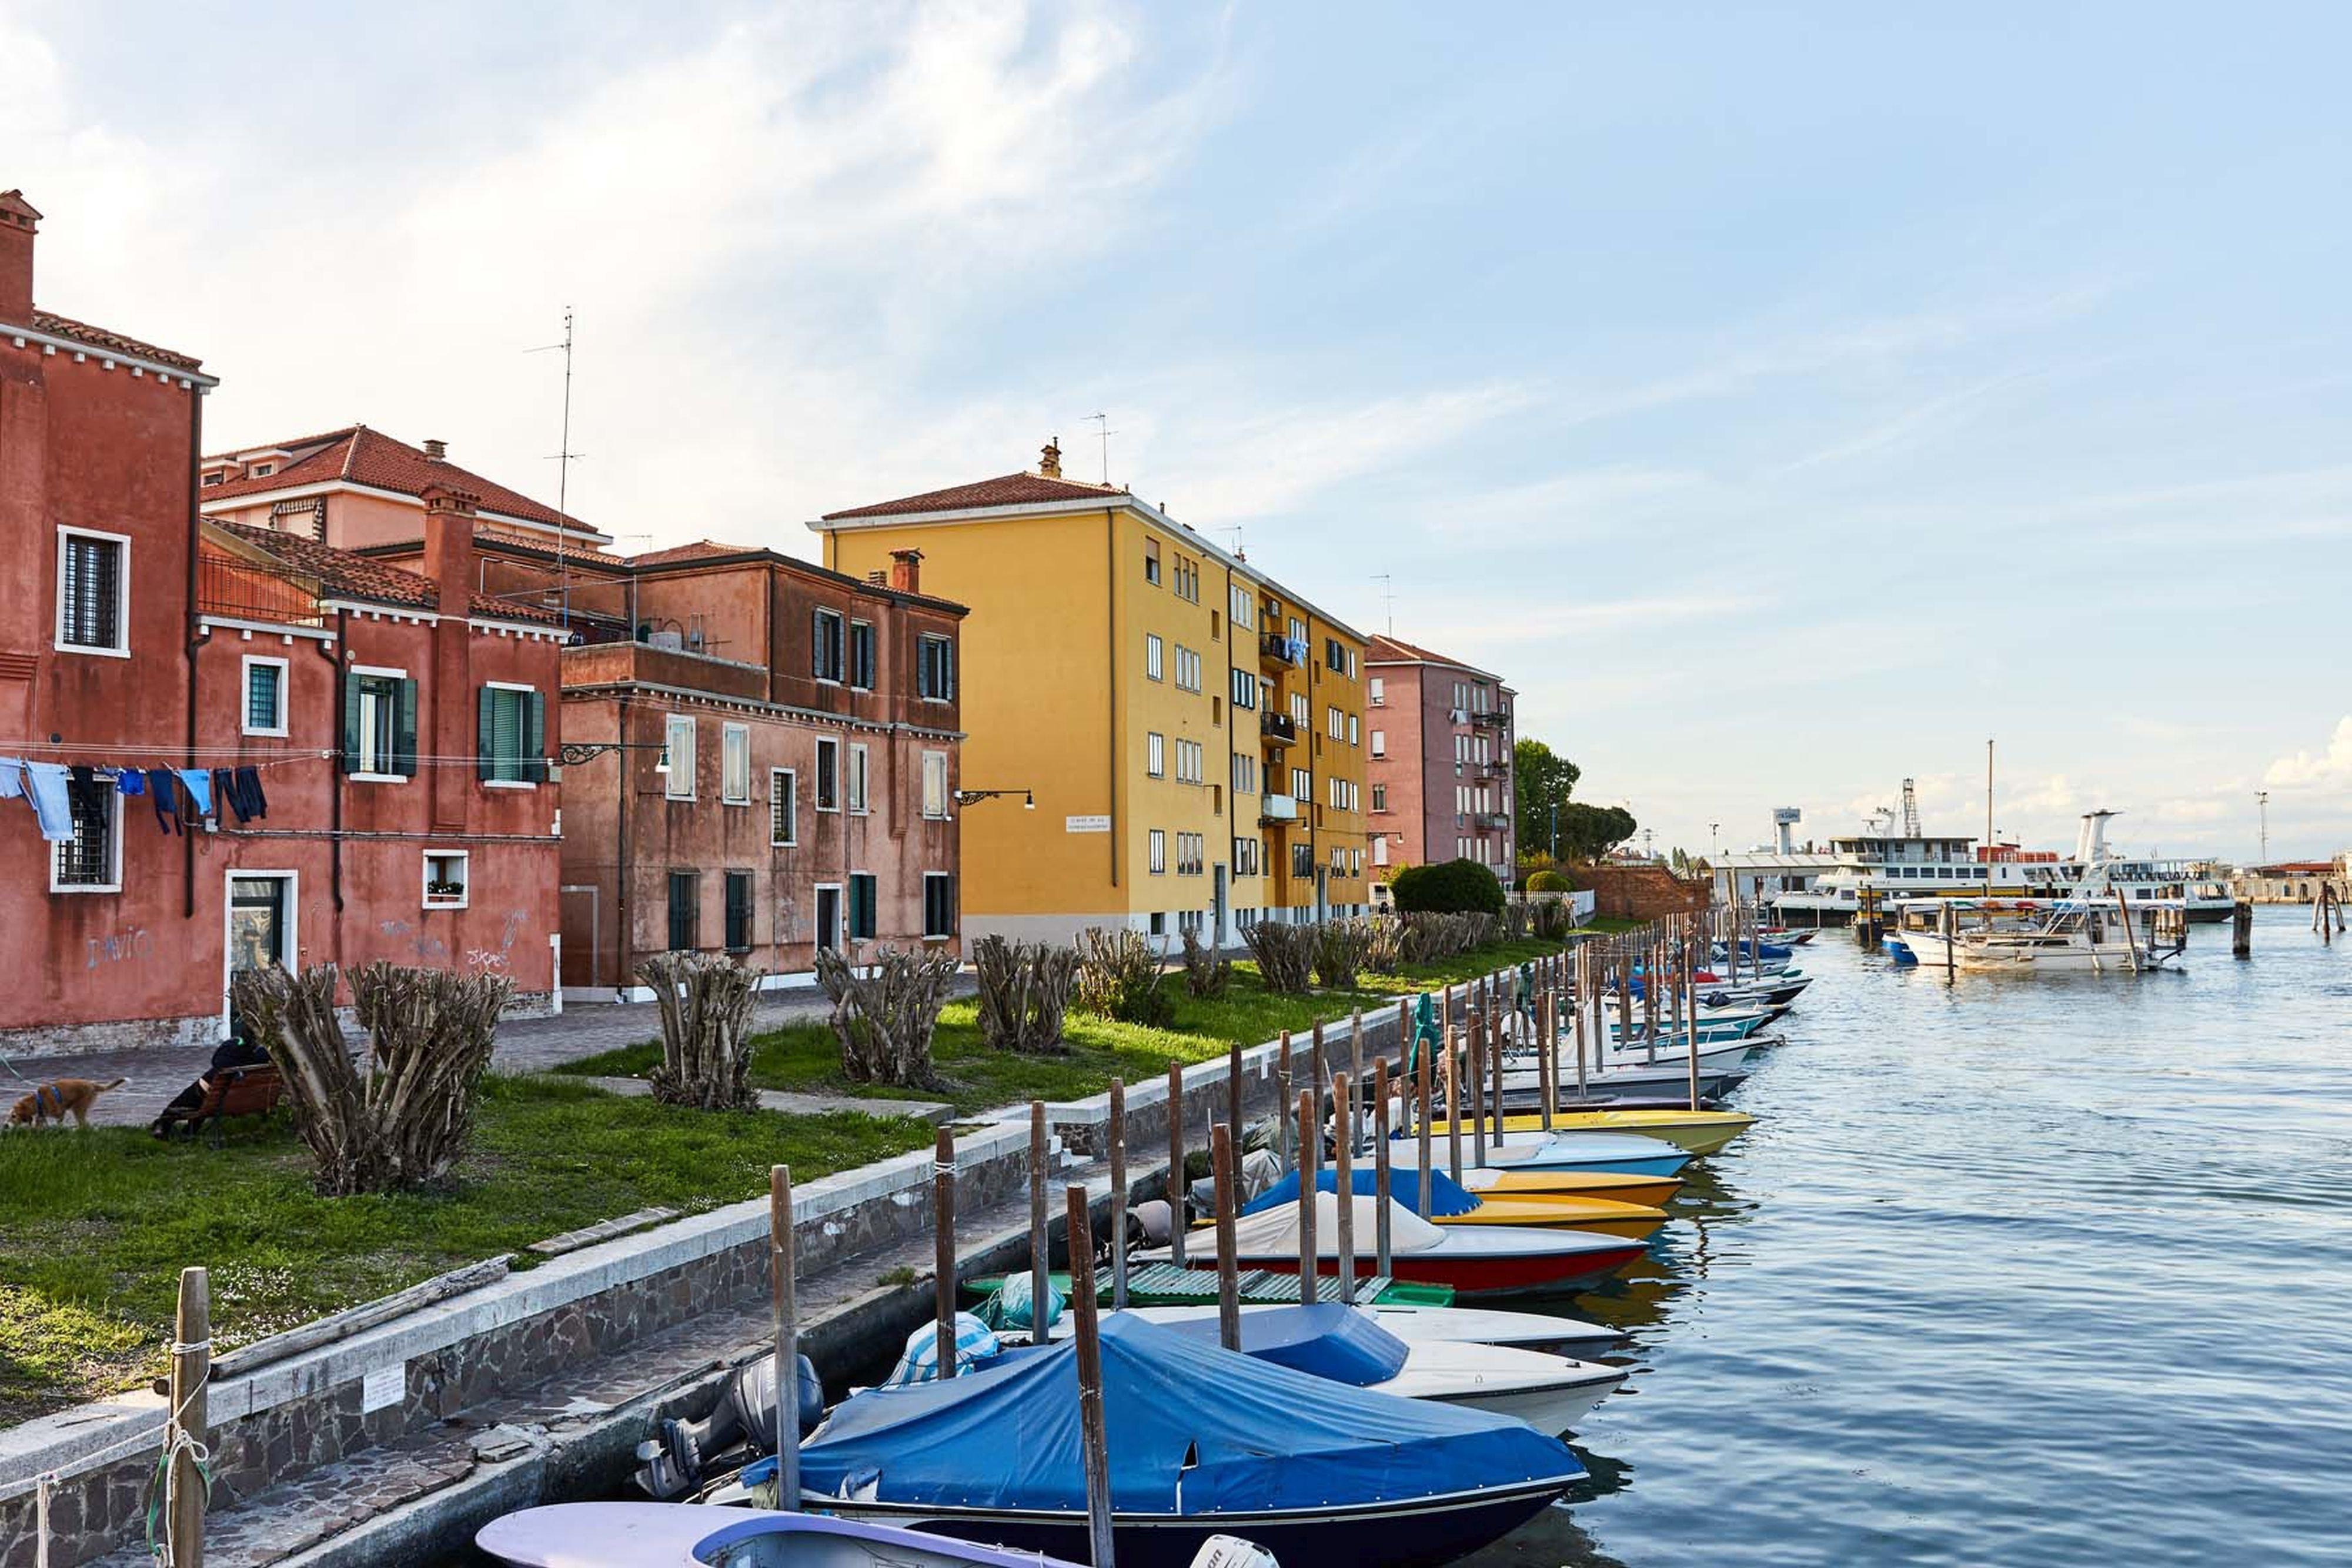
(524, 1045)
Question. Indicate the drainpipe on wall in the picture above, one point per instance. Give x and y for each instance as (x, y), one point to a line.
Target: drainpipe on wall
(1110, 647)
(335, 656)
(196, 528)
(621, 839)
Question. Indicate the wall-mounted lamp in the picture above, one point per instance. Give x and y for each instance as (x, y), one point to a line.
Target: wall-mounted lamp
(966, 796)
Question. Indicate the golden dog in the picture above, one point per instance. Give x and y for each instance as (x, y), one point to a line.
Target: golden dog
(55, 1101)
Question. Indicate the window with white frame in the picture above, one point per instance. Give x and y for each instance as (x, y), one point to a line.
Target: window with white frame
(854, 786)
(1244, 608)
(934, 784)
(1298, 711)
(825, 639)
(861, 654)
(1302, 784)
(1244, 688)
(783, 807)
(91, 860)
(93, 592)
(1353, 730)
(1248, 856)
(265, 695)
(1188, 762)
(677, 756)
(1156, 850)
(1244, 774)
(1155, 754)
(446, 881)
(735, 764)
(1380, 797)
(1188, 669)
(1380, 743)
(1152, 655)
(935, 668)
(1150, 559)
(939, 905)
(1191, 853)
(1379, 845)
(1377, 691)
(509, 733)
(828, 775)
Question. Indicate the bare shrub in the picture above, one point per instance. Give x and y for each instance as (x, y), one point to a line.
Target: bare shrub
(1284, 955)
(885, 1018)
(1119, 978)
(1024, 993)
(706, 1000)
(1207, 972)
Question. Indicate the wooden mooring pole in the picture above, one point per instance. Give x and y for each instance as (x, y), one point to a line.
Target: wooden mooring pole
(784, 1291)
(1094, 1430)
(1039, 1275)
(189, 1422)
(1234, 1095)
(1381, 1164)
(943, 1250)
(1229, 1296)
(1118, 1196)
(1176, 1183)
(2241, 929)
(1309, 1258)
(1343, 1175)
(1421, 1195)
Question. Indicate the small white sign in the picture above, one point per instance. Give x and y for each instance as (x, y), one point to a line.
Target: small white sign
(384, 1388)
(1086, 825)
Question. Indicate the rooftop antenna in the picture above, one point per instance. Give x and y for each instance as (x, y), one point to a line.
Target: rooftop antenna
(1388, 597)
(562, 458)
(1106, 432)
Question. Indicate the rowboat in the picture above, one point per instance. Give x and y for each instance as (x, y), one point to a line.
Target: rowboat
(1452, 1204)
(682, 1535)
(1202, 1442)
(1694, 1131)
(1429, 1325)
(1488, 1182)
(1476, 1259)
(1335, 1341)
(1569, 1149)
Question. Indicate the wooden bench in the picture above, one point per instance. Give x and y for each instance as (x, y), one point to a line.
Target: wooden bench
(232, 1091)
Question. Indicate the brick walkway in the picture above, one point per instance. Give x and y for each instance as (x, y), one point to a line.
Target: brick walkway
(524, 1045)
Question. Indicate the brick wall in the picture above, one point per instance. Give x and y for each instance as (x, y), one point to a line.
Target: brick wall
(1641, 892)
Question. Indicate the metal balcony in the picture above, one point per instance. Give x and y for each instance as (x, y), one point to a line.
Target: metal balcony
(1276, 811)
(1278, 728)
(1492, 718)
(1274, 648)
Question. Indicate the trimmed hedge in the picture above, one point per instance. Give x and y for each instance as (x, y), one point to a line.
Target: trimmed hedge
(1453, 887)
(1549, 881)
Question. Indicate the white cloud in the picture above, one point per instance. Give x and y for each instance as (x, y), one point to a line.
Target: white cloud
(2330, 769)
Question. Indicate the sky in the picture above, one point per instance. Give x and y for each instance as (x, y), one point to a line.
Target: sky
(1785, 400)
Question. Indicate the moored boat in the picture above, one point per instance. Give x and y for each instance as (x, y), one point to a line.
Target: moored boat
(1694, 1131)
(684, 1535)
(1452, 1204)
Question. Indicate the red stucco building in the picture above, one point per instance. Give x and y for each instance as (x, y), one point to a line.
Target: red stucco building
(347, 752)
(1437, 760)
(765, 752)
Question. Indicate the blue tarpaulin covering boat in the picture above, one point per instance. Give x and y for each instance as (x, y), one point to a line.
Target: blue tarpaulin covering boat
(1446, 1196)
(1201, 1441)
(1327, 1340)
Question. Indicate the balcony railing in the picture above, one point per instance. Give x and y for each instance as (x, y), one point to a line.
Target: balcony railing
(1278, 727)
(1492, 717)
(1275, 648)
(241, 589)
(1491, 820)
(1276, 809)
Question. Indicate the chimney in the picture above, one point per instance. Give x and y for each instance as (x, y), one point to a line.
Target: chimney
(18, 221)
(436, 449)
(907, 570)
(449, 546)
(879, 577)
(1049, 462)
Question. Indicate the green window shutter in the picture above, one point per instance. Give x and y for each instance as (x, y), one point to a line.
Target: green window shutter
(405, 745)
(534, 737)
(350, 723)
(485, 736)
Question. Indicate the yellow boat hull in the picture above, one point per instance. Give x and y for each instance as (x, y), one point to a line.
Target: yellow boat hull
(1693, 1132)
(1560, 1211)
(1655, 1192)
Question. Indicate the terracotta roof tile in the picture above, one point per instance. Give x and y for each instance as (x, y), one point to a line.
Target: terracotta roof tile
(697, 550)
(1006, 490)
(1384, 649)
(99, 337)
(343, 575)
(369, 457)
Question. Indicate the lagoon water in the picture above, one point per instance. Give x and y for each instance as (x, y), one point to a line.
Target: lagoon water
(2015, 1271)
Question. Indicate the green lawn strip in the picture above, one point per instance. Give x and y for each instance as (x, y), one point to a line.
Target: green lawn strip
(100, 1222)
(806, 1058)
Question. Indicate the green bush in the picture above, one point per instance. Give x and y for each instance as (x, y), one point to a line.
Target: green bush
(1453, 887)
(1549, 881)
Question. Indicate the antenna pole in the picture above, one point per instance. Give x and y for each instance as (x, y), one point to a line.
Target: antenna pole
(1103, 420)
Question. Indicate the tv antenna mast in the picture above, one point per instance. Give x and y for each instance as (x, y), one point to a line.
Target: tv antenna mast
(562, 457)
(1106, 431)
(1388, 597)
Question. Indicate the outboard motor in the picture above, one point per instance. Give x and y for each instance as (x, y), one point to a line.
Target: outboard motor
(1233, 1552)
(744, 1416)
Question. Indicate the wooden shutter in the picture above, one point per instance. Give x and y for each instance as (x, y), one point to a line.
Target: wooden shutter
(403, 761)
(350, 723)
(486, 733)
(534, 737)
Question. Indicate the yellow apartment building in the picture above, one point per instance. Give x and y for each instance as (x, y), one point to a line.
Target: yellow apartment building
(1178, 738)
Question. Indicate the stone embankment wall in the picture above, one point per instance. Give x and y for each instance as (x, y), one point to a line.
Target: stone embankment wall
(1643, 893)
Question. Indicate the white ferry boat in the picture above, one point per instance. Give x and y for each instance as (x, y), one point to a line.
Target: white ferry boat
(1908, 863)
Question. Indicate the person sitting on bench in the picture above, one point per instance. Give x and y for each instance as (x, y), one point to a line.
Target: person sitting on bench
(237, 1052)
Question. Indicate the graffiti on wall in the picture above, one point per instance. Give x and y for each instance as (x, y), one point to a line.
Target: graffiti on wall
(116, 946)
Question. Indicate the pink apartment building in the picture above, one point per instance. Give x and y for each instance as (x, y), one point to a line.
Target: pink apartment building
(1438, 761)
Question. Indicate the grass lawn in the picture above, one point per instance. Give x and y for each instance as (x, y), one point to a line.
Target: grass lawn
(807, 1057)
(99, 1223)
